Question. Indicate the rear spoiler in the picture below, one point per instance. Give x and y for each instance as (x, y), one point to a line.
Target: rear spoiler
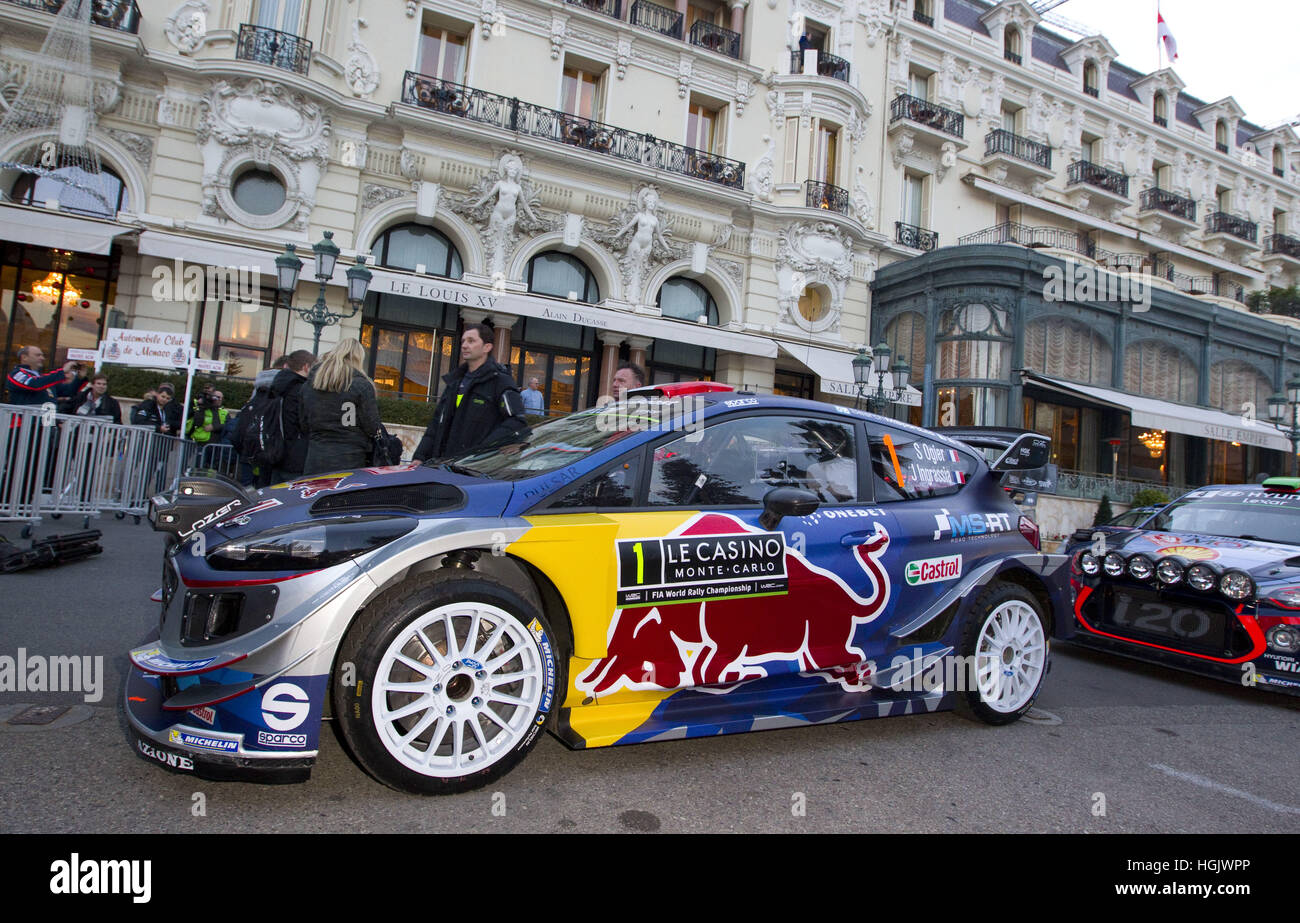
(1022, 457)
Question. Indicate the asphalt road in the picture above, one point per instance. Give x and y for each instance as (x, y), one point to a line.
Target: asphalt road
(1157, 750)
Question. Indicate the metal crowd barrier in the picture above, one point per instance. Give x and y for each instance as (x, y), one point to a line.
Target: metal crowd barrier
(56, 464)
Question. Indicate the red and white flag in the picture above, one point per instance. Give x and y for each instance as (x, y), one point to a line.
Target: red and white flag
(1164, 35)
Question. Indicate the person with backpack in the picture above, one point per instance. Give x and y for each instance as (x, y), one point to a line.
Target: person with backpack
(286, 388)
(340, 411)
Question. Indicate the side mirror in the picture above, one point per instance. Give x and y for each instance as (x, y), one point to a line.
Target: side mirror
(780, 502)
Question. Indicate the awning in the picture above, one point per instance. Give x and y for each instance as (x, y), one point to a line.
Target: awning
(43, 227)
(834, 370)
(1149, 413)
(216, 253)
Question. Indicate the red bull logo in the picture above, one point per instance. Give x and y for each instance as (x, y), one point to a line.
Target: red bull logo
(311, 487)
(720, 641)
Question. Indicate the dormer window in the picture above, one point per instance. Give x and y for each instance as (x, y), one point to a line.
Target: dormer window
(1011, 45)
(1221, 136)
(1091, 80)
(1279, 164)
(1160, 110)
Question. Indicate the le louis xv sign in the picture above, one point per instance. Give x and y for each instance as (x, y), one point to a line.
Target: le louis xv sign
(483, 300)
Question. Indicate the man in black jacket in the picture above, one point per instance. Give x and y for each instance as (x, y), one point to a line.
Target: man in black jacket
(480, 405)
(287, 386)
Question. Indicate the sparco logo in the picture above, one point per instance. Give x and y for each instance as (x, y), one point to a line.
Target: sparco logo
(932, 570)
(267, 739)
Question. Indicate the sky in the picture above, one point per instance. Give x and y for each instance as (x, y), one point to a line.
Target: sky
(1244, 49)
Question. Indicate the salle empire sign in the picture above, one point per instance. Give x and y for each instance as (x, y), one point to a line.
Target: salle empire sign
(659, 571)
(470, 297)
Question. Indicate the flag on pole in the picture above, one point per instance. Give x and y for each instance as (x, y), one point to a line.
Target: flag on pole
(1167, 37)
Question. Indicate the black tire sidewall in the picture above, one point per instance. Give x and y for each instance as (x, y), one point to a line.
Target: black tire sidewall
(375, 629)
(970, 702)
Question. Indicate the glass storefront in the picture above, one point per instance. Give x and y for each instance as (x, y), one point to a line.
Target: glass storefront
(55, 299)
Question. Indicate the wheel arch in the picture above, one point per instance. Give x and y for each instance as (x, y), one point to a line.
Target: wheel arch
(1036, 586)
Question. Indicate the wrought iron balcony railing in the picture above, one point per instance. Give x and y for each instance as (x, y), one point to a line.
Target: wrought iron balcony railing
(1221, 147)
(1094, 174)
(1278, 171)
(656, 18)
(909, 235)
(1001, 141)
(119, 15)
(536, 121)
(1010, 232)
(612, 8)
(1283, 244)
(1197, 285)
(828, 65)
(1160, 120)
(716, 38)
(1223, 223)
(1013, 58)
(824, 195)
(1093, 92)
(922, 18)
(1162, 200)
(270, 46)
(924, 112)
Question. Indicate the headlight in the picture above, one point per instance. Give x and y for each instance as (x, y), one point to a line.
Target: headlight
(1288, 597)
(1169, 572)
(1089, 564)
(1284, 638)
(309, 545)
(1114, 564)
(1201, 577)
(1236, 585)
(1140, 567)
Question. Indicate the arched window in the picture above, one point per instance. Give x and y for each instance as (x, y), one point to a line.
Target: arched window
(1158, 370)
(410, 246)
(1238, 388)
(905, 335)
(1279, 164)
(1091, 80)
(1160, 110)
(69, 187)
(1221, 136)
(1011, 45)
(686, 299)
(562, 276)
(1064, 348)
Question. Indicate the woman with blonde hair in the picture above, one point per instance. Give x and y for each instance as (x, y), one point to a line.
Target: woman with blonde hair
(340, 413)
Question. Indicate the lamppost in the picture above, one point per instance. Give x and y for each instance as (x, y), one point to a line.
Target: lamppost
(287, 268)
(1282, 413)
(876, 361)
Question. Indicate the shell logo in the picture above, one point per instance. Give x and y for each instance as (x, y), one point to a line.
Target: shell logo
(1192, 552)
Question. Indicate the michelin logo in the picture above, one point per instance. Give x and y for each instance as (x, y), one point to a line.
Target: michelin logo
(202, 741)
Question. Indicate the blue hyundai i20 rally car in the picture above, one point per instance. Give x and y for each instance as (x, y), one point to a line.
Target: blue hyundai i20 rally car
(689, 561)
(1209, 584)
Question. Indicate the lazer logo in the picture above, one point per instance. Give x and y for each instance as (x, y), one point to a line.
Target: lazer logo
(932, 570)
(970, 524)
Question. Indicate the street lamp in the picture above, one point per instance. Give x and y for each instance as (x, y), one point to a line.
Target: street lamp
(877, 361)
(288, 267)
(1282, 414)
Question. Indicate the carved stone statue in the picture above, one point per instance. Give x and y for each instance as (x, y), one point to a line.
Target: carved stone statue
(509, 195)
(361, 70)
(647, 243)
(186, 27)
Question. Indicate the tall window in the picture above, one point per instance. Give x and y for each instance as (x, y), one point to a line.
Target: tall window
(580, 93)
(1279, 166)
(1160, 109)
(1225, 200)
(686, 299)
(443, 52)
(1163, 173)
(1158, 370)
(284, 15)
(1091, 79)
(1221, 136)
(1011, 44)
(914, 199)
(1279, 222)
(1009, 118)
(918, 85)
(1064, 348)
(790, 169)
(703, 127)
(710, 12)
(1091, 148)
(412, 246)
(562, 276)
(825, 145)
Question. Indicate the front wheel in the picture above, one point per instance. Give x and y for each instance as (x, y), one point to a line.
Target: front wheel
(1006, 646)
(454, 679)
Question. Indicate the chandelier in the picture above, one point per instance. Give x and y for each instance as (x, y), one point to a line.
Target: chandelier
(48, 289)
(1154, 441)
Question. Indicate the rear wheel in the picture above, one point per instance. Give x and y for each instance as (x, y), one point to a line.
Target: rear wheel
(454, 679)
(1007, 649)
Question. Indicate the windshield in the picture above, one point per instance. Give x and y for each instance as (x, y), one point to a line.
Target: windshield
(559, 443)
(1131, 518)
(1248, 518)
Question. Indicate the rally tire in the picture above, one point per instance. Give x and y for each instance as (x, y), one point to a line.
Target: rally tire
(1005, 638)
(414, 714)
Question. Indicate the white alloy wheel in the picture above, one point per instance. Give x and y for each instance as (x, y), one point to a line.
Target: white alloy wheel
(458, 688)
(1010, 657)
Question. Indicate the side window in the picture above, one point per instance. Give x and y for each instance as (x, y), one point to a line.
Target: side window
(738, 461)
(905, 466)
(615, 486)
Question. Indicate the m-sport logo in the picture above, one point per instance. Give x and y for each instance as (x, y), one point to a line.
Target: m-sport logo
(932, 570)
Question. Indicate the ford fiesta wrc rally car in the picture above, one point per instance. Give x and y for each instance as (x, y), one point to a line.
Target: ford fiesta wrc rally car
(686, 562)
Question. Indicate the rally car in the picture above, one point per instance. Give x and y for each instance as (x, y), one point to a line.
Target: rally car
(689, 561)
(1209, 584)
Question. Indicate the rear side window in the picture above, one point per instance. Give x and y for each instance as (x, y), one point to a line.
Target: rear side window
(905, 466)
